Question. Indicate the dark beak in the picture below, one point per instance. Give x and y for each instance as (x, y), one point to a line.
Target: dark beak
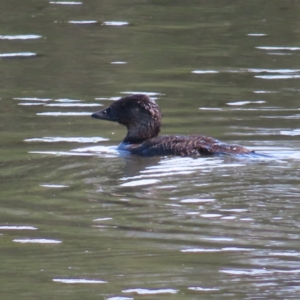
(104, 114)
(99, 114)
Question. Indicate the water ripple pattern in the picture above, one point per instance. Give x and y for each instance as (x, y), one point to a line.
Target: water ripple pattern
(20, 37)
(17, 54)
(83, 220)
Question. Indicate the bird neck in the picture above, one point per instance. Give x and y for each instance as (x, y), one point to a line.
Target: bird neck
(144, 130)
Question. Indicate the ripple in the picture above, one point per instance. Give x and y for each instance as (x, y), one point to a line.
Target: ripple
(191, 213)
(102, 98)
(73, 104)
(119, 298)
(59, 113)
(236, 249)
(75, 280)
(257, 34)
(284, 253)
(247, 272)
(293, 132)
(118, 62)
(165, 174)
(30, 103)
(86, 151)
(182, 165)
(67, 139)
(140, 182)
(205, 71)
(37, 241)
(264, 92)
(256, 272)
(218, 239)
(200, 250)
(249, 70)
(248, 109)
(277, 76)
(13, 227)
(151, 292)
(201, 289)
(297, 116)
(67, 100)
(279, 48)
(238, 210)
(33, 99)
(210, 108)
(20, 37)
(211, 215)
(115, 23)
(145, 93)
(281, 71)
(197, 200)
(97, 150)
(61, 153)
(228, 218)
(108, 99)
(279, 53)
(18, 54)
(65, 2)
(102, 219)
(246, 102)
(87, 22)
(54, 185)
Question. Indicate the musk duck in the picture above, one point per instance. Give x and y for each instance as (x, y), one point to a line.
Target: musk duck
(142, 118)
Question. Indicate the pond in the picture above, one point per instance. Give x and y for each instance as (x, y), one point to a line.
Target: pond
(81, 220)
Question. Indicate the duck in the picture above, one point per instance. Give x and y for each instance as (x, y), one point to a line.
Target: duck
(142, 118)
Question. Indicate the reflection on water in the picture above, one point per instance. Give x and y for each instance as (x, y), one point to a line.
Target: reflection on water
(19, 54)
(118, 62)
(257, 34)
(115, 23)
(54, 185)
(150, 292)
(17, 228)
(72, 281)
(73, 104)
(83, 22)
(20, 37)
(37, 241)
(84, 220)
(280, 48)
(67, 139)
(61, 113)
(280, 71)
(66, 2)
(32, 99)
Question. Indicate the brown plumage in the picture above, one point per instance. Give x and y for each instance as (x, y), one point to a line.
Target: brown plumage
(142, 118)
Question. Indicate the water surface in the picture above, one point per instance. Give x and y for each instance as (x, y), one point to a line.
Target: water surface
(79, 219)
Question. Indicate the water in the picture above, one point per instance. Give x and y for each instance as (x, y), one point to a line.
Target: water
(80, 220)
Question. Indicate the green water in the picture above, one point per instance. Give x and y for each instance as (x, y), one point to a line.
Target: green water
(79, 220)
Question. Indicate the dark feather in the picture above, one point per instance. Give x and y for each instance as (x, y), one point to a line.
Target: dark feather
(142, 118)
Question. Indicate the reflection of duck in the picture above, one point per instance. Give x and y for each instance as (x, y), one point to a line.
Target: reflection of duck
(142, 118)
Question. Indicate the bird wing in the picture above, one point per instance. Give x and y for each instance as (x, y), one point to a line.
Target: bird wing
(193, 145)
